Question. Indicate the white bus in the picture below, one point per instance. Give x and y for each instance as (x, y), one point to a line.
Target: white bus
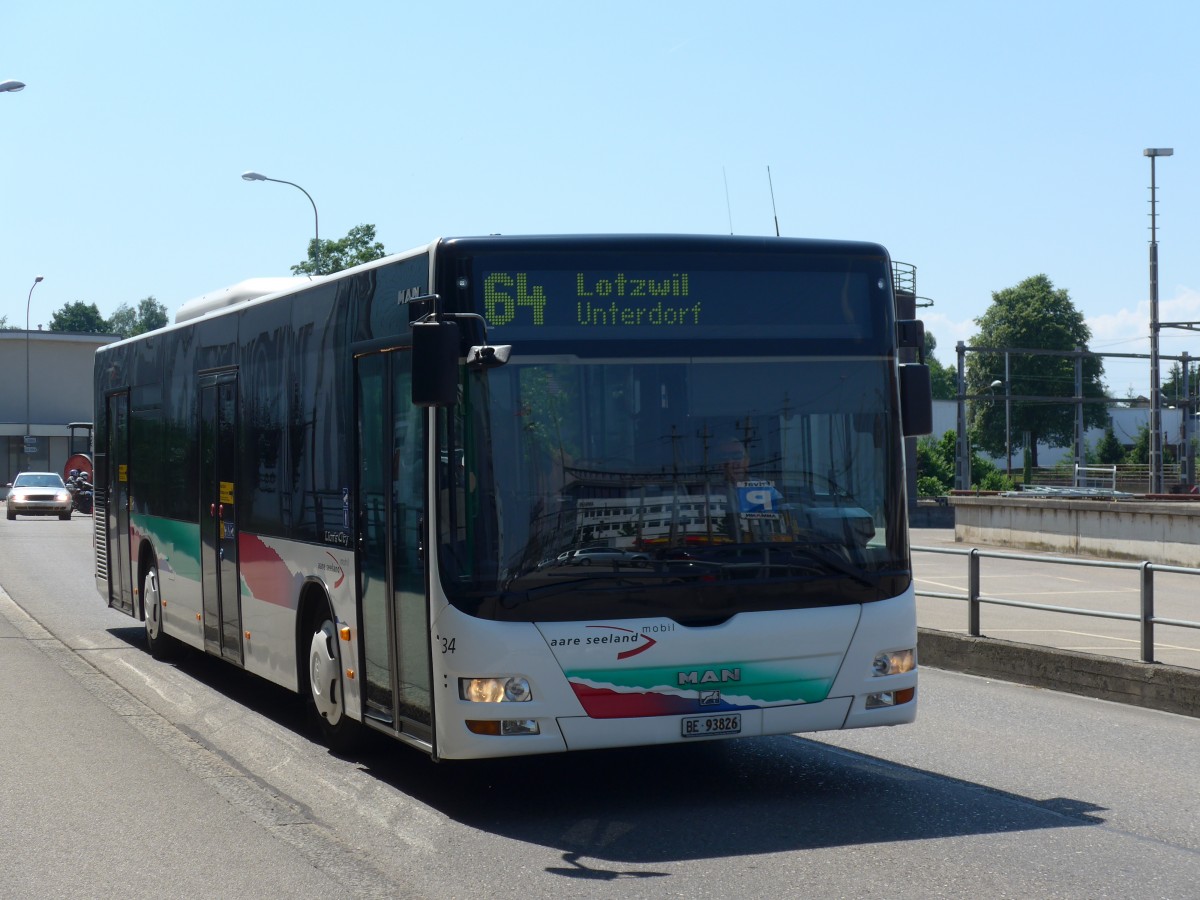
(517, 495)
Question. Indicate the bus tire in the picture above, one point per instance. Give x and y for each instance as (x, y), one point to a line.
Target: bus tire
(161, 645)
(325, 694)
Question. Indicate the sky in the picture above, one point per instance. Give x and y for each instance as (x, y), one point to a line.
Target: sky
(982, 143)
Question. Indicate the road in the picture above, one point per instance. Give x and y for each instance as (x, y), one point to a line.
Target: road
(998, 790)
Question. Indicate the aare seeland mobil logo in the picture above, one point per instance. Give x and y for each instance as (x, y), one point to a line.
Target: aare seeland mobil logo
(631, 642)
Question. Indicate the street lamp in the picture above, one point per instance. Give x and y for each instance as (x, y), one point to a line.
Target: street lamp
(254, 176)
(28, 426)
(1156, 470)
(1007, 415)
(11, 87)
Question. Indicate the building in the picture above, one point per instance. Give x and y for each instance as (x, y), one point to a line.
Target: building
(1127, 421)
(57, 391)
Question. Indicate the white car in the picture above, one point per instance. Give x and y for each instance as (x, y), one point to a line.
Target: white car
(586, 556)
(38, 494)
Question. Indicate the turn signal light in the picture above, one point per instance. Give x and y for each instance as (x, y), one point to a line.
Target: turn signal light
(890, 698)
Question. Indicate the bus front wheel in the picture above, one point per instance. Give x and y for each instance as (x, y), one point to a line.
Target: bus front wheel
(325, 686)
(160, 644)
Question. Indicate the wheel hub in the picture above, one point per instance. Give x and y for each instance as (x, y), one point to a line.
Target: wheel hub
(324, 671)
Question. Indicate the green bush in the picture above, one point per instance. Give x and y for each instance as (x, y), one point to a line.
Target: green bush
(930, 487)
(935, 468)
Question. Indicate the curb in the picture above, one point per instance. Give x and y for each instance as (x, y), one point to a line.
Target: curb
(1172, 689)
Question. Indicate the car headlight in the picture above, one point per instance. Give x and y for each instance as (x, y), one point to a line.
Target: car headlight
(62, 496)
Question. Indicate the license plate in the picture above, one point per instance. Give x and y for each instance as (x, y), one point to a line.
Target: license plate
(707, 726)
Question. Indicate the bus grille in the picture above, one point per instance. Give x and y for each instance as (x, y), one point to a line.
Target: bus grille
(100, 531)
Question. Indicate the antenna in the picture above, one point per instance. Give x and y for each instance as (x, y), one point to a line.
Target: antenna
(728, 207)
(773, 212)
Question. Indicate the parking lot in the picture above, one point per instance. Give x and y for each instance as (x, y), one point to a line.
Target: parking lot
(1097, 589)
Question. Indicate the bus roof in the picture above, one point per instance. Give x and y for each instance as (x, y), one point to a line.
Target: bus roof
(249, 289)
(255, 288)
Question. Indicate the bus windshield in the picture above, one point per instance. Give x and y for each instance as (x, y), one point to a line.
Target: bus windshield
(575, 488)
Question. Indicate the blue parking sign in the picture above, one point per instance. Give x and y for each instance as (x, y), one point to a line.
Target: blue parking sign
(758, 499)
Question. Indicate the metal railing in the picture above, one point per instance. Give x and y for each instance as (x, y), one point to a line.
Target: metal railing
(1096, 477)
(975, 598)
(1131, 478)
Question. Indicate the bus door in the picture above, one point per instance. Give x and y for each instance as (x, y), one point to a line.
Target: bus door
(390, 504)
(116, 511)
(218, 515)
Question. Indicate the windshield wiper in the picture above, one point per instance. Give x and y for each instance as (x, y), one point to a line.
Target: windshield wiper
(622, 579)
(819, 553)
(816, 550)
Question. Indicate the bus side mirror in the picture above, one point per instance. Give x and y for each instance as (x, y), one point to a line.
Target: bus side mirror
(488, 356)
(435, 363)
(910, 334)
(916, 399)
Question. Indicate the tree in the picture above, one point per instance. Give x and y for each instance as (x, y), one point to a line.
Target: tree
(935, 465)
(1031, 316)
(1173, 388)
(942, 378)
(935, 468)
(1139, 453)
(80, 318)
(1109, 451)
(358, 246)
(130, 322)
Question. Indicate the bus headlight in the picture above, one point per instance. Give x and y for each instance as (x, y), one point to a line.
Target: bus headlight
(896, 662)
(509, 689)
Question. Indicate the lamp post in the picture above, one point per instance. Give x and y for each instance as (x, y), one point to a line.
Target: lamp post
(255, 176)
(1156, 470)
(1007, 413)
(11, 87)
(28, 300)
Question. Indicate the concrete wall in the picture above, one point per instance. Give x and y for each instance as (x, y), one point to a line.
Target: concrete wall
(1159, 531)
(1150, 685)
(931, 514)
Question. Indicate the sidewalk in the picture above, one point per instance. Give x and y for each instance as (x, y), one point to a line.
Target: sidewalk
(91, 806)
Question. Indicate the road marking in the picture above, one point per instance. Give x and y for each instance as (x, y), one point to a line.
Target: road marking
(1158, 645)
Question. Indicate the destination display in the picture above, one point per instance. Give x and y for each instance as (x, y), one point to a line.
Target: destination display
(676, 303)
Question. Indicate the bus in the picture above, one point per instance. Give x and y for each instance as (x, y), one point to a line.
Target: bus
(510, 495)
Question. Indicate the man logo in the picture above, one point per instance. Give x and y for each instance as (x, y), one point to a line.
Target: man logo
(710, 676)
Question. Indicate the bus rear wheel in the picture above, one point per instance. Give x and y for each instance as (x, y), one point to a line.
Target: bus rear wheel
(326, 696)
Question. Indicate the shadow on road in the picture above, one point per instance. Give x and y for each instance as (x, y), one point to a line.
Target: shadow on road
(661, 804)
